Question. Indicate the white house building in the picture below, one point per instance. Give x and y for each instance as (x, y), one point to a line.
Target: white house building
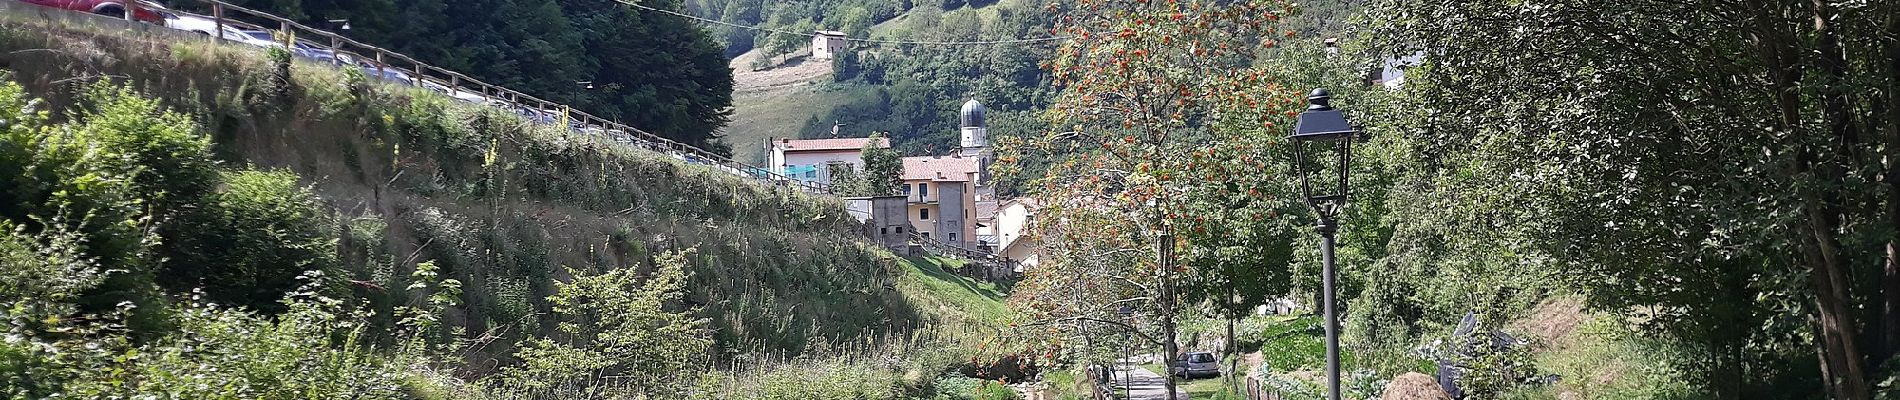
(827, 44)
(813, 160)
(1013, 222)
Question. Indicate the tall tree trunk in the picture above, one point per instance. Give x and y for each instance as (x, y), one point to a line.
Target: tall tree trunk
(1889, 324)
(1232, 352)
(1168, 305)
(1833, 289)
(1837, 333)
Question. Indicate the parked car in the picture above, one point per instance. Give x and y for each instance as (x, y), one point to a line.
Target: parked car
(386, 73)
(314, 51)
(147, 11)
(205, 25)
(1197, 364)
(463, 95)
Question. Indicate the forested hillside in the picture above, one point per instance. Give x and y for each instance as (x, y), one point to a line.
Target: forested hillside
(652, 71)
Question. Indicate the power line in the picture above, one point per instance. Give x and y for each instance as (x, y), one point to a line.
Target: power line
(848, 39)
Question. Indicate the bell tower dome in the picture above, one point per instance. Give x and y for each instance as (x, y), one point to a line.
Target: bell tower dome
(976, 134)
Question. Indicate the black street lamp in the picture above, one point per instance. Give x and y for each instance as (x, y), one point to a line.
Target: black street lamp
(1322, 131)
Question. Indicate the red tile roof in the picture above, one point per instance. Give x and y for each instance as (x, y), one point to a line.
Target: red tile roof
(952, 169)
(827, 144)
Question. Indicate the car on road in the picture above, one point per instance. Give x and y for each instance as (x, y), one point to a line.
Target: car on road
(386, 73)
(1197, 364)
(147, 11)
(205, 25)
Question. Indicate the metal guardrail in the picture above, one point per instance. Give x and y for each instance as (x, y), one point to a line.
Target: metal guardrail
(324, 46)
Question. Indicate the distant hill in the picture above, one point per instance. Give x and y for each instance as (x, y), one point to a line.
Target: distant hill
(910, 91)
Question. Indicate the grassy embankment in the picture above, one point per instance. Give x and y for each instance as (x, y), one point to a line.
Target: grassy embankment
(403, 176)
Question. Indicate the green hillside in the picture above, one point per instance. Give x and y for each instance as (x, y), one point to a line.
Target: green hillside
(429, 248)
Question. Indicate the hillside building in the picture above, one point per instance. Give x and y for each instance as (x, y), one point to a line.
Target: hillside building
(816, 160)
(949, 195)
(826, 45)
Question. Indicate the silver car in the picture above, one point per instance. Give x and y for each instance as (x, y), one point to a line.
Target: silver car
(1198, 364)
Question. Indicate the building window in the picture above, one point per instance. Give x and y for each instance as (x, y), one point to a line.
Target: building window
(900, 229)
(906, 189)
(882, 231)
(923, 190)
(953, 236)
(923, 213)
(812, 173)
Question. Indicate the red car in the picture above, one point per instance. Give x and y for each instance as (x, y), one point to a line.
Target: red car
(146, 11)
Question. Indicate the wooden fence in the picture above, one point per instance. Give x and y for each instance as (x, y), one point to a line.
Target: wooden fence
(978, 264)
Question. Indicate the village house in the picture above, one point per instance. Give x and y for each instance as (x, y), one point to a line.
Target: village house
(1014, 218)
(816, 160)
(942, 195)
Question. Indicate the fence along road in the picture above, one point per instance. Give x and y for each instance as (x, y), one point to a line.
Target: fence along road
(234, 23)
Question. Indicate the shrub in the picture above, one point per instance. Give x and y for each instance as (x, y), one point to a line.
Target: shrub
(619, 326)
(85, 181)
(955, 387)
(262, 231)
(311, 351)
(46, 353)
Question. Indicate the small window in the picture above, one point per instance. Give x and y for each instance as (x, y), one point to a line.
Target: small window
(883, 231)
(900, 229)
(923, 213)
(953, 236)
(906, 189)
(923, 190)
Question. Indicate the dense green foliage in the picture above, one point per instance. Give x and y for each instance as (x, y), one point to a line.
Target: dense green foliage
(1730, 198)
(656, 72)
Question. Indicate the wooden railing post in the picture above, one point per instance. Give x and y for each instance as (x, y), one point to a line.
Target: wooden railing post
(217, 21)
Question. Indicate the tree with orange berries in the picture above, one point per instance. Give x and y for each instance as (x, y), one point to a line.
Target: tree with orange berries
(1162, 113)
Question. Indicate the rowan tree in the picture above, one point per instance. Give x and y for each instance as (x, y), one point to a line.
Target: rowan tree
(1148, 88)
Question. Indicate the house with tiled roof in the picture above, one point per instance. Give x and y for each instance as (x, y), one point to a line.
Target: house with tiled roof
(941, 191)
(815, 160)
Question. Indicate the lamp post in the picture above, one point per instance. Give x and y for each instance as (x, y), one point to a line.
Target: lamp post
(1322, 131)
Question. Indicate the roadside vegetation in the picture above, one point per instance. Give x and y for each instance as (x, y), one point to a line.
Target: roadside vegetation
(224, 223)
